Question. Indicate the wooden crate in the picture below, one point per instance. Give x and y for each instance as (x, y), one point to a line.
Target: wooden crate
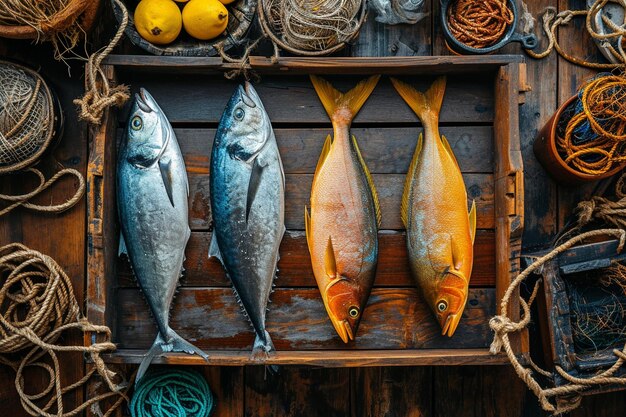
(479, 118)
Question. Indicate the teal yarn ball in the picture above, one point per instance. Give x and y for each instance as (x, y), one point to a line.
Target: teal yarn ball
(172, 393)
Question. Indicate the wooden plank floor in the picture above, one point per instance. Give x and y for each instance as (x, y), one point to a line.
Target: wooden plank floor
(301, 391)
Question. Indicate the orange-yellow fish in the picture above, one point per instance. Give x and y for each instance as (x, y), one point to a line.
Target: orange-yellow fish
(440, 232)
(342, 227)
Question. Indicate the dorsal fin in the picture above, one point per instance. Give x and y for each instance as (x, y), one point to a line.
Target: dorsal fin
(370, 181)
(329, 259)
(404, 213)
(325, 150)
(448, 148)
(307, 226)
(472, 220)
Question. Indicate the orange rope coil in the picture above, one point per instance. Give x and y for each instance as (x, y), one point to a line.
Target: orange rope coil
(479, 24)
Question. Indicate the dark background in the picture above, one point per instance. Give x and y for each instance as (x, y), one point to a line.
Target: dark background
(301, 391)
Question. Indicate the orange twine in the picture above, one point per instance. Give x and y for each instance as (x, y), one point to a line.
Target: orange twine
(479, 24)
(604, 108)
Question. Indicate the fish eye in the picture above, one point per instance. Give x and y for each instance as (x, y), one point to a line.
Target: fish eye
(353, 312)
(136, 123)
(442, 306)
(239, 113)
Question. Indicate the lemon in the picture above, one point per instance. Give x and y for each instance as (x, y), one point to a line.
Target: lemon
(205, 19)
(158, 21)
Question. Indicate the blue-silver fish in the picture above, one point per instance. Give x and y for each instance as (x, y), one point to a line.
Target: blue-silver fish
(152, 191)
(247, 188)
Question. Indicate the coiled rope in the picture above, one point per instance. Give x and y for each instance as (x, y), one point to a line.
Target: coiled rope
(479, 24)
(172, 392)
(564, 398)
(37, 307)
(552, 20)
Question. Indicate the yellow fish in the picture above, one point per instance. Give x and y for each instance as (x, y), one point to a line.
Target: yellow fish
(440, 232)
(342, 227)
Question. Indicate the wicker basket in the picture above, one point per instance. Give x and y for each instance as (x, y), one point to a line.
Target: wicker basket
(236, 32)
(265, 26)
(84, 10)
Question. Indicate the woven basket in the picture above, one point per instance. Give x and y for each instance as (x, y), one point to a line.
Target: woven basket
(267, 30)
(84, 10)
(241, 13)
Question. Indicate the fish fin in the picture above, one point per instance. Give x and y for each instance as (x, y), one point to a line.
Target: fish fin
(307, 226)
(261, 351)
(404, 213)
(472, 220)
(178, 344)
(370, 181)
(165, 166)
(325, 150)
(353, 100)
(253, 185)
(122, 250)
(329, 259)
(155, 350)
(426, 105)
(448, 148)
(214, 249)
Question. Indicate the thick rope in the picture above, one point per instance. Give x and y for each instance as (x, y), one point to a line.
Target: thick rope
(552, 20)
(23, 199)
(172, 392)
(603, 209)
(38, 306)
(479, 24)
(99, 95)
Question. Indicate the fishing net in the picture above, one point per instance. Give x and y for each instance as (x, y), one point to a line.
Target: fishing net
(26, 117)
(598, 309)
(591, 133)
(479, 24)
(313, 25)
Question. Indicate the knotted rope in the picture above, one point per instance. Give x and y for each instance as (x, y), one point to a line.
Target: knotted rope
(38, 306)
(99, 95)
(23, 199)
(564, 398)
(552, 20)
(172, 392)
(479, 24)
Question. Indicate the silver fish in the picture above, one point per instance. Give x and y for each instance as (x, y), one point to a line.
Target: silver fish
(152, 191)
(247, 187)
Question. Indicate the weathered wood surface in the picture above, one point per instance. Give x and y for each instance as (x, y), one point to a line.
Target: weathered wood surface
(395, 318)
(295, 264)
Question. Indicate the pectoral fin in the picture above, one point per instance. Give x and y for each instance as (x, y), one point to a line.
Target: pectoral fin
(404, 213)
(165, 166)
(472, 220)
(370, 181)
(253, 184)
(329, 260)
(214, 249)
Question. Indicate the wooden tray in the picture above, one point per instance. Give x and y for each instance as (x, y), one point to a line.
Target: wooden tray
(479, 117)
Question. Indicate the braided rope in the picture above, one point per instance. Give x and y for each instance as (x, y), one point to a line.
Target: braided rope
(479, 24)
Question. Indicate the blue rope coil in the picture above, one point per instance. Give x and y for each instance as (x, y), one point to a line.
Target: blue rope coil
(172, 393)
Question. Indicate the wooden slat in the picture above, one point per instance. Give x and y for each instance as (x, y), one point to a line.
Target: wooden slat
(386, 150)
(297, 320)
(292, 99)
(325, 358)
(389, 186)
(265, 395)
(295, 263)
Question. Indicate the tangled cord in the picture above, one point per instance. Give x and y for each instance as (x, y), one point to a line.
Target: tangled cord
(594, 139)
(552, 20)
(38, 306)
(172, 392)
(479, 24)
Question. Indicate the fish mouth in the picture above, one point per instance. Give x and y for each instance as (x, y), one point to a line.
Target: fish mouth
(343, 329)
(248, 95)
(143, 99)
(452, 322)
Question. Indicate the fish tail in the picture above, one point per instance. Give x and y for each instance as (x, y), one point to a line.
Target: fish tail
(175, 343)
(334, 100)
(426, 105)
(261, 351)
